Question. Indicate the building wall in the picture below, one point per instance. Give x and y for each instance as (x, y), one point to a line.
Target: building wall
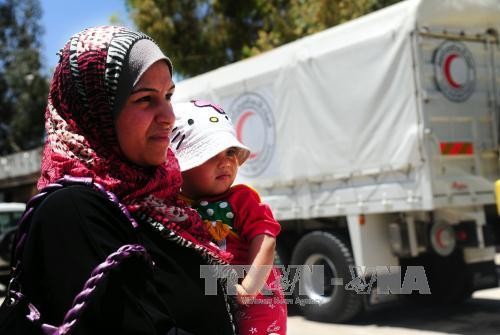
(19, 173)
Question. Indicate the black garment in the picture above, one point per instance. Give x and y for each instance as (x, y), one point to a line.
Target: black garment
(73, 230)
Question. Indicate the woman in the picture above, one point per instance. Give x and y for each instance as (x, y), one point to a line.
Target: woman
(109, 117)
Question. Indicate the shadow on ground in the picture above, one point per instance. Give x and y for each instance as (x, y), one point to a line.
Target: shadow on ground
(480, 315)
(475, 316)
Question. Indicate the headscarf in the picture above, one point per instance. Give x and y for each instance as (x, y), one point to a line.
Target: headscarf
(82, 142)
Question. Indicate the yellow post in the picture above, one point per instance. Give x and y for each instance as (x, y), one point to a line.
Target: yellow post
(497, 193)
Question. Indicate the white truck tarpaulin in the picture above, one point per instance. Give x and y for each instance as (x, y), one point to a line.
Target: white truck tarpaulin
(342, 101)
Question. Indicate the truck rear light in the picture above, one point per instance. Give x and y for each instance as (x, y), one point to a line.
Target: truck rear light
(466, 234)
(456, 148)
(462, 235)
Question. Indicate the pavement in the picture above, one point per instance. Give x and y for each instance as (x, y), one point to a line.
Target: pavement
(479, 315)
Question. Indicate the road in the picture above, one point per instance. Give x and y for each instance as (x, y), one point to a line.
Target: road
(480, 315)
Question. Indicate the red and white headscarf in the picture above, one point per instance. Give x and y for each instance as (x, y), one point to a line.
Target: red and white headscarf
(81, 138)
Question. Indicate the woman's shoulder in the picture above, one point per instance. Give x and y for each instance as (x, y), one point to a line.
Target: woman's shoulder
(74, 196)
(78, 205)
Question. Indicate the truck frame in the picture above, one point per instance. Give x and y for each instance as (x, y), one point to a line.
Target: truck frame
(376, 144)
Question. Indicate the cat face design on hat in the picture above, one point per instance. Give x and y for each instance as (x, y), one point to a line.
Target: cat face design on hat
(180, 132)
(202, 130)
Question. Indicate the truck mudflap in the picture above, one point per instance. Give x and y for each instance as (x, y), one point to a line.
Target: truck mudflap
(493, 225)
(481, 269)
(483, 275)
(497, 195)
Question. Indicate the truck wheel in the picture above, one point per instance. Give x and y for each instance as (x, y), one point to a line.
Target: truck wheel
(333, 303)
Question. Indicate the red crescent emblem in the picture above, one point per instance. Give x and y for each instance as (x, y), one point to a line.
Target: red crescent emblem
(239, 129)
(447, 70)
(439, 238)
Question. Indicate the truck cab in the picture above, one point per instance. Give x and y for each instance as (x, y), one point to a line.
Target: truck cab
(10, 213)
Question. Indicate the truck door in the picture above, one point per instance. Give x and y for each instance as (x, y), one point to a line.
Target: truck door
(459, 82)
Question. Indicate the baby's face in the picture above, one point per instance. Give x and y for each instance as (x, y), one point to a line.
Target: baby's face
(213, 177)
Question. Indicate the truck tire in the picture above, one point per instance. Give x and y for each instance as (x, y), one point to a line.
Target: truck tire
(335, 303)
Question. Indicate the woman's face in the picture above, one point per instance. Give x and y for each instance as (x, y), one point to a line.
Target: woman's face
(144, 124)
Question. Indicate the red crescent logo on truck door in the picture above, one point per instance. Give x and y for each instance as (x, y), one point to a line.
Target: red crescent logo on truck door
(454, 71)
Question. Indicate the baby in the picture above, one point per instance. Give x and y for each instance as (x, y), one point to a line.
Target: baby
(209, 155)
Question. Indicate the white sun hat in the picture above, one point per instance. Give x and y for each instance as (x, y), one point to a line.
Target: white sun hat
(202, 130)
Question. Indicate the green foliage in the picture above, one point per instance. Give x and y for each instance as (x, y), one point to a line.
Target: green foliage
(23, 87)
(201, 35)
(297, 18)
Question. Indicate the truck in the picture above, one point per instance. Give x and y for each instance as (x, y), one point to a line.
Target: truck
(376, 144)
(10, 213)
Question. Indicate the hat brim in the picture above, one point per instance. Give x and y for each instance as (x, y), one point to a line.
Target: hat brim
(208, 147)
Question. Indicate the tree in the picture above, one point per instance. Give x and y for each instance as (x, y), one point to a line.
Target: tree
(23, 86)
(201, 35)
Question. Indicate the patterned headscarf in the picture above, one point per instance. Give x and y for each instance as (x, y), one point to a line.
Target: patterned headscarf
(82, 142)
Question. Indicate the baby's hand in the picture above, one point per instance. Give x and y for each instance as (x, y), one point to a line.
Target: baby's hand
(242, 296)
